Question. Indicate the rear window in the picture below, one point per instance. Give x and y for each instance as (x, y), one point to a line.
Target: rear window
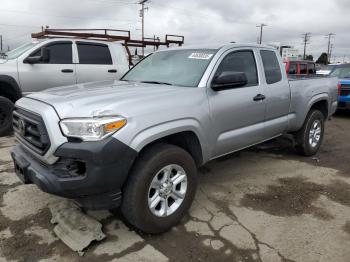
(311, 68)
(292, 69)
(271, 66)
(341, 72)
(303, 69)
(95, 54)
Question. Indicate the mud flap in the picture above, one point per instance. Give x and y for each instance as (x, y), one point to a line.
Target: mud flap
(75, 228)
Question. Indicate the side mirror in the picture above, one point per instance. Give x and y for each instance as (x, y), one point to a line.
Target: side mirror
(228, 80)
(43, 58)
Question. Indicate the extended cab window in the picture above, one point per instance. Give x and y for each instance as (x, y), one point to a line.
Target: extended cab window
(60, 53)
(293, 68)
(241, 61)
(96, 54)
(303, 69)
(271, 66)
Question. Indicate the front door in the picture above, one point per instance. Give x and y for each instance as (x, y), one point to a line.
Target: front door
(238, 113)
(58, 71)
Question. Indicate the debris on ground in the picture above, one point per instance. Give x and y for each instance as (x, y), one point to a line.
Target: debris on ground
(75, 228)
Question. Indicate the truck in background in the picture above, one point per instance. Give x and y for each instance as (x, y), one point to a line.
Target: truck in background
(61, 57)
(294, 67)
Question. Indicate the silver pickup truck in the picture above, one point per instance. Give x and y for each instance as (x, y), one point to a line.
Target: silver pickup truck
(137, 143)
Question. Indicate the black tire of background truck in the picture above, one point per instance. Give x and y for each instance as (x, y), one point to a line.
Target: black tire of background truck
(303, 146)
(135, 207)
(6, 109)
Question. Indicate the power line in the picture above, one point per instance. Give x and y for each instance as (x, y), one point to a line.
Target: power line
(306, 40)
(261, 31)
(60, 16)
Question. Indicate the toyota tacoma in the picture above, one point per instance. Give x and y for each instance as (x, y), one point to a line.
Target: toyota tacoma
(137, 143)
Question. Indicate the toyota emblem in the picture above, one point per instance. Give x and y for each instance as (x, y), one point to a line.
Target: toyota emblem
(21, 127)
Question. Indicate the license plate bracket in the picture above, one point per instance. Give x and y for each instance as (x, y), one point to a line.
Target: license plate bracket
(21, 169)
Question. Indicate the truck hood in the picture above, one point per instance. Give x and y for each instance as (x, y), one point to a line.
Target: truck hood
(109, 98)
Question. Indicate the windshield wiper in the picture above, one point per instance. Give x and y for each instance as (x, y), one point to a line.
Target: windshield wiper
(156, 82)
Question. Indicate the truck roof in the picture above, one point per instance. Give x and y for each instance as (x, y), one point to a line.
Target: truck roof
(221, 46)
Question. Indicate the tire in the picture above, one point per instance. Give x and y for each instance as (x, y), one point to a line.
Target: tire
(6, 109)
(137, 192)
(306, 145)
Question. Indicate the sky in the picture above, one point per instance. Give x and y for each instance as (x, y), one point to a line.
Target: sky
(200, 21)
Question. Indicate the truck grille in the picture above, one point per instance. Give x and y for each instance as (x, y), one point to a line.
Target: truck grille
(30, 131)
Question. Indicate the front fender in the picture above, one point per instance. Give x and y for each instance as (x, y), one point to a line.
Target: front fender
(153, 133)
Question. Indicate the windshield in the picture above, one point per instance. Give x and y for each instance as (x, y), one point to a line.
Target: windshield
(13, 54)
(173, 67)
(341, 72)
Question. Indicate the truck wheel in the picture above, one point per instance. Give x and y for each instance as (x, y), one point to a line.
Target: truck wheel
(309, 137)
(6, 108)
(160, 188)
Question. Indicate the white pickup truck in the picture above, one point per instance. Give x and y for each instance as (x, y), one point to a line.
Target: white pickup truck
(52, 62)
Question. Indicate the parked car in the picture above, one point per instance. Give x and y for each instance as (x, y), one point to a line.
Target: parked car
(343, 73)
(300, 67)
(327, 70)
(137, 143)
(53, 62)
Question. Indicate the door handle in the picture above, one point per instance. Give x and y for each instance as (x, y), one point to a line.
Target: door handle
(259, 97)
(112, 71)
(67, 71)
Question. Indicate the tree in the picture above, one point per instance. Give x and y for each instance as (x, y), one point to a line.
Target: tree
(323, 59)
(309, 57)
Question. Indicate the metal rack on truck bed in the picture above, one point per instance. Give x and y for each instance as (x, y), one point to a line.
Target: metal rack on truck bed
(111, 35)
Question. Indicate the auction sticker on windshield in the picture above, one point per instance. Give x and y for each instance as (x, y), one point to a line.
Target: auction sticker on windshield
(204, 56)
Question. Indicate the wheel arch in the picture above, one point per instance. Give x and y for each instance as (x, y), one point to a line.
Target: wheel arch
(184, 136)
(9, 88)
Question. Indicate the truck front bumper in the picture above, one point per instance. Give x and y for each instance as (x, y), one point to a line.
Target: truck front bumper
(91, 173)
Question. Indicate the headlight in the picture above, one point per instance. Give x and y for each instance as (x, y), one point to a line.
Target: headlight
(92, 129)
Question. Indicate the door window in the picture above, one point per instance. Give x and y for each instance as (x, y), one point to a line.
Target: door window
(241, 61)
(93, 53)
(60, 53)
(271, 66)
(292, 69)
(303, 69)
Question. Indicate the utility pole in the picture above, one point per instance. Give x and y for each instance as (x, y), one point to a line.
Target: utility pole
(0, 43)
(329, 36)
(306, 39)
(261, 32)
(330, 52)
(142, 15)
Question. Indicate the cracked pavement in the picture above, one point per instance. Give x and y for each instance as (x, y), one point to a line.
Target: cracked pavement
(263, 204)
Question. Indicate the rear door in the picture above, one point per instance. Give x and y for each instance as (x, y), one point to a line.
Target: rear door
(237, 116)
(58, 71)
(95, 62)
(277, 94)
